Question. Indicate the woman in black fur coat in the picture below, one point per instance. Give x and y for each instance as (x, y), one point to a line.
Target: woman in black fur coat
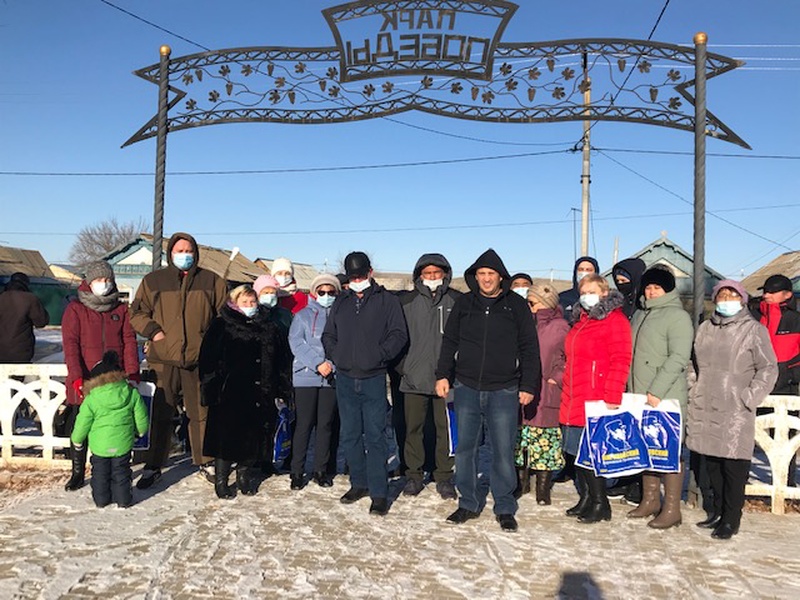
(245, 364)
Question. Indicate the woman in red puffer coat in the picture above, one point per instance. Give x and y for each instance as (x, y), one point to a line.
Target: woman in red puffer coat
(598, 350)
(92, 325)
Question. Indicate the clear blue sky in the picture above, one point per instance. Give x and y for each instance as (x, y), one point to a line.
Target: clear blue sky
(68, 100)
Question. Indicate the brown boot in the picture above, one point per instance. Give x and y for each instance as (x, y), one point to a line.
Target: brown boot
(543, 481)
(523, 482)
(651, 497)
(670, 515)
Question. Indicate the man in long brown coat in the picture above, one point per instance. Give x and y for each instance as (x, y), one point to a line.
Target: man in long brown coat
(173, 308)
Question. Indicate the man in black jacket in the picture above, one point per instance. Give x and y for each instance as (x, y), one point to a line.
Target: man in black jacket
(20, 312)
(364, 332)
(490, 354)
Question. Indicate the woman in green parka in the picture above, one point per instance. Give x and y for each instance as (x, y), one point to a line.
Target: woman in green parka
(662, 349)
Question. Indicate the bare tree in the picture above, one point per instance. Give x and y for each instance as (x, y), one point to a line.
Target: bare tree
(93, 242)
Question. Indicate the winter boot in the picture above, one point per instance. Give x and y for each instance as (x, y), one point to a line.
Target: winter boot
(78, 476)
(670, 515)
(244, 480)
(583, 503)
(543, 481)
(599, 508)
(222, 471)
(523, 482)
(651, 497)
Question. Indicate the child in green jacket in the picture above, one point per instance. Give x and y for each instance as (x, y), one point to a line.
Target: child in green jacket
(111, 415)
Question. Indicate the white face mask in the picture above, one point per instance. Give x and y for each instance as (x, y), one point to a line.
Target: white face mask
(432, 284)
(283, 280)
(268, 300)
(359, 286)
(522, 291)
(589, 300)
(580, 275)
(100, 288)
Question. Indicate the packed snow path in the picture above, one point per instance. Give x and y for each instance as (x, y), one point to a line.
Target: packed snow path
(179, 541)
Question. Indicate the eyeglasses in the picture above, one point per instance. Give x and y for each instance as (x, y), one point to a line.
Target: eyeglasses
(325, 293)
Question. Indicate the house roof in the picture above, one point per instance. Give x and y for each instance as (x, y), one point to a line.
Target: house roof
(241, 269)
(20, 260)
(787, 264)
(665, 251)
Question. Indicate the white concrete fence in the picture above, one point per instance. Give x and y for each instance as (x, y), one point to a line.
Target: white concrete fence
(44, 390)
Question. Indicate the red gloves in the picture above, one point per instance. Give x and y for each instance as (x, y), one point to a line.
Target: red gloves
(77, 385)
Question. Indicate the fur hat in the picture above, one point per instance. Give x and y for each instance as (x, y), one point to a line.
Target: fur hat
(282, 264)
(265, 281)
(660, 276)
(544, 293)
(325, 279)
(99, 270)
(729, 283)
(109, 363)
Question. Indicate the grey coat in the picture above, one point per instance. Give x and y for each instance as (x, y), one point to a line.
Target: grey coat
(735, 370)
(662, 349)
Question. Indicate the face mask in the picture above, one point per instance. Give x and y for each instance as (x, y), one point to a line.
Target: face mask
(326, 301)
(728, 308)
(268, 300)
(249, 311)
(432, 284)
(100, 288)
(625, 288)
(521, 291)
(183, 260)
(360, 286)
(283, 280)
(580, 275)
(589, 300)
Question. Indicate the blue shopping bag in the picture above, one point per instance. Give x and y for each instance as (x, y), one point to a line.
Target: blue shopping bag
(452, 429)
(283, 432)
(662, 429)
(147, 390)
(615, 440)
(584, 458)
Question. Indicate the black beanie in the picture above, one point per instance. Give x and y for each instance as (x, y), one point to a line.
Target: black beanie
(109, 363)
(659, 276)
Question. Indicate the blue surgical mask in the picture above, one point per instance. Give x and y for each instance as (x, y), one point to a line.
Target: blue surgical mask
(268, 300)
(183, 260)
(359, 286)
(326, 301)
(249, 311)
(589, 300)
(728, 308)
(522, 291)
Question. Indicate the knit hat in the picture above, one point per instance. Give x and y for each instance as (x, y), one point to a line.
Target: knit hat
(544, 293)
(356, 264)
(777, 283)
(282, 264)
(99, 270)
(524, 276)
(325, 279)
(660, 276)
(343, 279)
(109, 363)
(265, 281)
(730, 283)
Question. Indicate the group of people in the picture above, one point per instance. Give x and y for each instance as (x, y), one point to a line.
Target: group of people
(517, 360)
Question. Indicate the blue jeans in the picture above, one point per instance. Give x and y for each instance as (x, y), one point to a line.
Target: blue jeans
(362, 411)
(499, 411)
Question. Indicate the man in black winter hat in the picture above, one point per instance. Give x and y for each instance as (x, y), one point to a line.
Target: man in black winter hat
(365, 331)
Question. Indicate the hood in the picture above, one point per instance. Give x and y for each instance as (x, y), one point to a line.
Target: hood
(634, 268)
(603, 308)
(575, 268)
(432, 259)
(183, 236)
(104, 379)
(491, 260)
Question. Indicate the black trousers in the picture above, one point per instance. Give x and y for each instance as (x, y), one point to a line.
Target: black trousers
(416, 413)
(315, 406)
(728, 477)
(111, 480)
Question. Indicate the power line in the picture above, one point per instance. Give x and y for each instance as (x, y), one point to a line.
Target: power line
(689, 153)
(151, 24)
(682, 199)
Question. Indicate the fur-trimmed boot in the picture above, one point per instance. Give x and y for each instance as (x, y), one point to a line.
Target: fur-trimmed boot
(651, 497)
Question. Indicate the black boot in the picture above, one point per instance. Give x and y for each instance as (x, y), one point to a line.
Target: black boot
(244, 480)
(78, 477)
(599, 508)
(523, 482)
(222, 471)
(583, 503)
(543, 481)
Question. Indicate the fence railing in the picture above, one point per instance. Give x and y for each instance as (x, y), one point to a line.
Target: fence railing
(41, 386)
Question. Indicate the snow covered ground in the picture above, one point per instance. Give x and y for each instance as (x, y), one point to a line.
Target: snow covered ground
(179, 541)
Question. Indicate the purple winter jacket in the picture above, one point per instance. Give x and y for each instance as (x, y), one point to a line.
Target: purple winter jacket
(552, 328)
